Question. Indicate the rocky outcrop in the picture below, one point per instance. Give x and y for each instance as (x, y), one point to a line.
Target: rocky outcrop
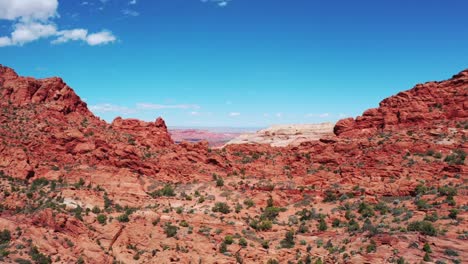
(22, 91)
(286, 135)
(420, 106)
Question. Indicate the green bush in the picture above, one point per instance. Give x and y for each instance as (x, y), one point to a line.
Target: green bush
(451, 252)
(219, 182)
(288, 241)
(423, 227)
(263, 225)
(453, 214)
(353, 225)
(221, 208)
(38, 257)
(123, 218)
(456, 158)
(330, 196)
(322, 225)
(228, 240)
(102, 219)
(365, 210)
(167, 191)
(223, 248)
(243, 242)
(5, 236)
(422, 204)
(427, 248)
(249, 203)
(170, 230)
(372, 247)
(270, 213)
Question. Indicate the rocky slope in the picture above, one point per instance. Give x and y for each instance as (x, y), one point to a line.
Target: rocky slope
(390, 186)
(286, 135)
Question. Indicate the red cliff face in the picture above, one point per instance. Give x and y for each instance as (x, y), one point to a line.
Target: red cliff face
(48, 125)
(53, 92)
(420, 106)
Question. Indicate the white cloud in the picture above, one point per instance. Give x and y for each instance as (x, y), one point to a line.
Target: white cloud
(5, 41)
(129, 12)
(148, 106)
(100, 38)
(221, 3)
(140, 108)
(106, 108)
(73, 34)
(279, 115)
(132, 2)
(28, 32)
(32, 20)
(28, 10)
(234, 114)
(323, 115)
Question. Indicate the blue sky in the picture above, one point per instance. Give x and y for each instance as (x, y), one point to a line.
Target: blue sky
(235, 63)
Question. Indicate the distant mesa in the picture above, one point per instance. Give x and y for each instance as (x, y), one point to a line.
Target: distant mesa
(286, 135)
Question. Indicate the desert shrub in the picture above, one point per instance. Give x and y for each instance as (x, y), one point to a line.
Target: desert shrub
(243, 242)
(422, 204)
(249, 203)
(423, 227)
(382, 208)
(336, 222)
(223, 248)
(288, 241)
(453, 214)
(372, 247)
(322, 225)
(221, 208)
(228, 240)
(38, 257)
(5, 236)
(167, 191)
(170, 230)
(262, 225)
(270, 213)
(365, 210)
(123, 218)
(427, 257)
(447, 191)
(39, 183)
(353, 225)
(330, 196)
(451, 252)
(303, 229)
(401, 260)
(96, 210)
(431, 217)
(219, 182)
(102, 219)
(456, 158)
(420, 189)
(427, 248)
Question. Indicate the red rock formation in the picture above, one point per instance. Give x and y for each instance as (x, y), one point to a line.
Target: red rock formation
(420, 106)
(416, 137)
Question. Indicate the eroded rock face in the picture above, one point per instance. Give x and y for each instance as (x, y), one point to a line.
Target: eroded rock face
(82, 188)
(286, 135)
(420, 106)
